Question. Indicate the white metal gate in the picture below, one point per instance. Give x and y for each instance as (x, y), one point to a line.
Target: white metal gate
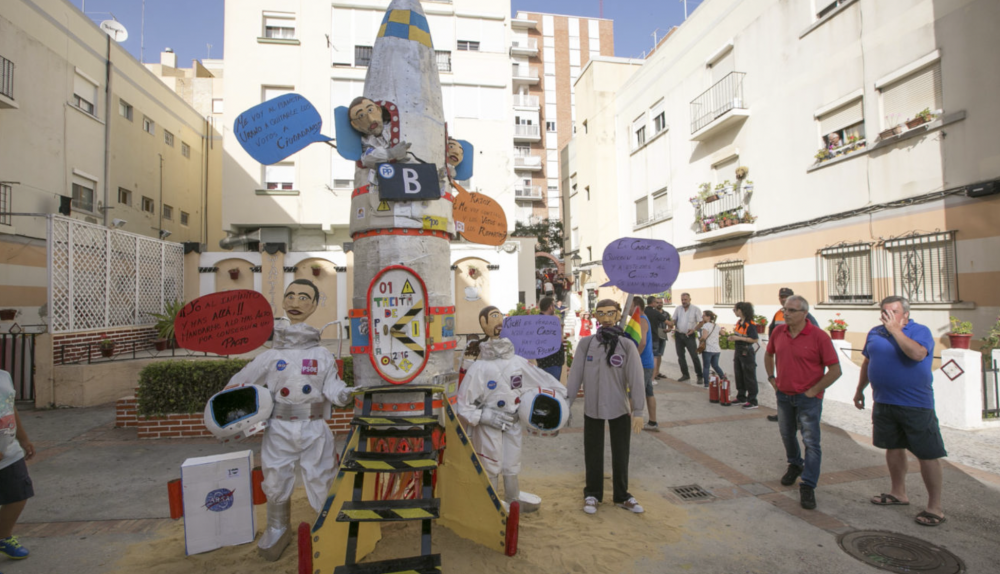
(101, 278)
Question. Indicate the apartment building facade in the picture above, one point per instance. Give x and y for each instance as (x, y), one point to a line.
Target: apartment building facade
(899, 198)
(548, 52)
(85, 123)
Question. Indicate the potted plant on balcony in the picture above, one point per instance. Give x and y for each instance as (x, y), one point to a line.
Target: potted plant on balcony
(895, 128)
(8, 314)
(234, 273)
(961, 333)
(165, 325)
(748, 187)
(822, 155)
(742, 172)
(106, 345)
(837, 328)
(727, 187)
(922, 117)
(316, 268)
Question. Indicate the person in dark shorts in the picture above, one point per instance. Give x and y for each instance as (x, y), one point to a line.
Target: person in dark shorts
(15, 484)
(898, 356)
(657, 326)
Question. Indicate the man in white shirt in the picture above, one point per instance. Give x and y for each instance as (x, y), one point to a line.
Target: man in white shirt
(686, 318)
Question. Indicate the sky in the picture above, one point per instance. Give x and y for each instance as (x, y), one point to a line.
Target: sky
(190, 26)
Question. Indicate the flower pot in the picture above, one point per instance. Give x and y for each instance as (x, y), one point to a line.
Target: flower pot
(887, 133)
(711, 198)
(107, 351)
(958, 341)
(7, 314)
(234, 274)
(160, 344)
(316, 271)
(917, 121)
(838, 335)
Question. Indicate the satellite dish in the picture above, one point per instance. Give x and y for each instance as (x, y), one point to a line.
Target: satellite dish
(115, 29)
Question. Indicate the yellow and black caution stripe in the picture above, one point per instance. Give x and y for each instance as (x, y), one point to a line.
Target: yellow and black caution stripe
(400, 329)
(389, 510)
(430, 564)
(391, 462)
(390, 421)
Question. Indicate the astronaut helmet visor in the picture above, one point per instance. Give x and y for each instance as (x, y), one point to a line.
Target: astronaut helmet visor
(546, 413)
(233, 406)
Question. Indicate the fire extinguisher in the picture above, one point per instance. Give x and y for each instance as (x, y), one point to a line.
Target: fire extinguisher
(724, 392)
(713, 388)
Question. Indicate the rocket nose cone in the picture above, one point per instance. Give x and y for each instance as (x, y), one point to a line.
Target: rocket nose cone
(406, 5)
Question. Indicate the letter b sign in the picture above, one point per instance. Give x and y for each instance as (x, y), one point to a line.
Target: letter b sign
(408, 182)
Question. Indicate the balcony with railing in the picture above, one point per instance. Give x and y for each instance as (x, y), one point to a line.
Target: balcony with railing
(524, 47)
(723, 212)
(443, 60)
(526, 101)
(524, 75)
(6, 83)
(527, 133)
(532, 192)
(719, 107)
(527, 161)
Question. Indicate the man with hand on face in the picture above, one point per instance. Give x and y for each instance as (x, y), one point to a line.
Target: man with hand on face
(609, 368)
(898, 356)
(302, 378)
(488, 401)
(372, 120)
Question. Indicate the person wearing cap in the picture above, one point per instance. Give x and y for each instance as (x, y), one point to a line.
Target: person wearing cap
(779, 319)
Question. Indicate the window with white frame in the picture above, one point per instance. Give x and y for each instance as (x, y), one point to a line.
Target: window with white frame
(168, 212)
(124, 109)
(83, 194)
(661, 204)
(443, 60)
(280, 25)
(124, 196)
(185, 150)
(905, 98)
(217, 106)
(639, 132)
(728, 282)
(550, 126)
(843, 126)
(642, 211)
(280, 176)
(725, 170)
(168, 138)
(84, 94)
(148, 205)
(468, 46)
(659, 122)
(343, 183)
(271, 92)
(846, 274)
(362, 56)
(148, 125)
(185, 217)
(923, 266)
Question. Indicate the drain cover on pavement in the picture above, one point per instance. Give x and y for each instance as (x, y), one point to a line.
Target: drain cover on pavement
(691, 492)
(899, 553)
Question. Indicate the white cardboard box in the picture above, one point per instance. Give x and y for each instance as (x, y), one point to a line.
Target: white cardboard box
(218, 501)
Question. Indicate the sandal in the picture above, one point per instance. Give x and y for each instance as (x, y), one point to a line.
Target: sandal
(929, 519)
(887, 500)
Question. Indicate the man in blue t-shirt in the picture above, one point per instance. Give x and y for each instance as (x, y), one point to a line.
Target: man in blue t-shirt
(897, 363)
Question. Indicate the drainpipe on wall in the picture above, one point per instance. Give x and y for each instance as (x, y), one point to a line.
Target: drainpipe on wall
(107, 133)
(160, 227)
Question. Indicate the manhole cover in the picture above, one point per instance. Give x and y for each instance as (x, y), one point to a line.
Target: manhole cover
(900, 553)
(691, 492)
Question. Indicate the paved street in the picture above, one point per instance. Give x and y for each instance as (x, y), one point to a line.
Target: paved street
(101, 491)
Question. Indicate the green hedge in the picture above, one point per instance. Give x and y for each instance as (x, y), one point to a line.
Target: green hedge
(180, 387)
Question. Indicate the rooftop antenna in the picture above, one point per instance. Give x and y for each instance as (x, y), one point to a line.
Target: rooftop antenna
(601, 9)
(142, 32)
(209, 52)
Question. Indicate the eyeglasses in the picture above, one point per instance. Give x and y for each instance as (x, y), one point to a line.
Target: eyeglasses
(600, 314)
(788, 310)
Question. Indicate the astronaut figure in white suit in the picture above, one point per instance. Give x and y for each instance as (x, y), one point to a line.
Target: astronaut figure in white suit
(488, 401)
(302, 378)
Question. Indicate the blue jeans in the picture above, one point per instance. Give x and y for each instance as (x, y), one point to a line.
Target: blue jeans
(795, 412)
(711, 359)
(555, 371)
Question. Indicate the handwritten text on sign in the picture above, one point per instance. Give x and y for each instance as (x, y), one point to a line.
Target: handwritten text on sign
(533, 336)
(479, 218)
(641, 265)
(226, 323)
(279, 127)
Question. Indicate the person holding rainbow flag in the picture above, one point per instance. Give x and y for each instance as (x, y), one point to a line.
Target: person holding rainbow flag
(638, 329)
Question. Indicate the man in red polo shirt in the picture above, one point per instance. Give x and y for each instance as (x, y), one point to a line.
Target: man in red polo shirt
(808, 364)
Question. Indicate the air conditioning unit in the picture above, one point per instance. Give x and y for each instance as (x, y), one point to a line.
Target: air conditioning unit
(982, 189)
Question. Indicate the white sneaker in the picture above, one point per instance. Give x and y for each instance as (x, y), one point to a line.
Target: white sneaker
(590, 505)
(631, 505)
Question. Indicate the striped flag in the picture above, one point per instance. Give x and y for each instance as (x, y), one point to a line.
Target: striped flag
(634, 326)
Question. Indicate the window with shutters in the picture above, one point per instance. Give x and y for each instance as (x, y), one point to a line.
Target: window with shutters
(124, 109)
(728, 282)
(84, 94)
(843, 129)
(279, 176)
(902, 100)
(639, 132)
(642, 211)
(845, 273)
(661, 204)
(468, 46)
(168, 138)
(922, 267)
(362, 56)
(280, 25)
(185, 217)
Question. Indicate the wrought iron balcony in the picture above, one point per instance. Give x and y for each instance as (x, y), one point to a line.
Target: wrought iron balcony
(6, 78)
(525, 101)
(719, 105)
(524, 47)
(527, 133)
(533, 192)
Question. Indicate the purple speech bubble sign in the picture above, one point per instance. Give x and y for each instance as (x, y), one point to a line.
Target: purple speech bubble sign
(534, 336)
(641, 266)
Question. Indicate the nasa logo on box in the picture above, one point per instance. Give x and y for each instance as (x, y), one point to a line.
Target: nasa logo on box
(310, 367)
